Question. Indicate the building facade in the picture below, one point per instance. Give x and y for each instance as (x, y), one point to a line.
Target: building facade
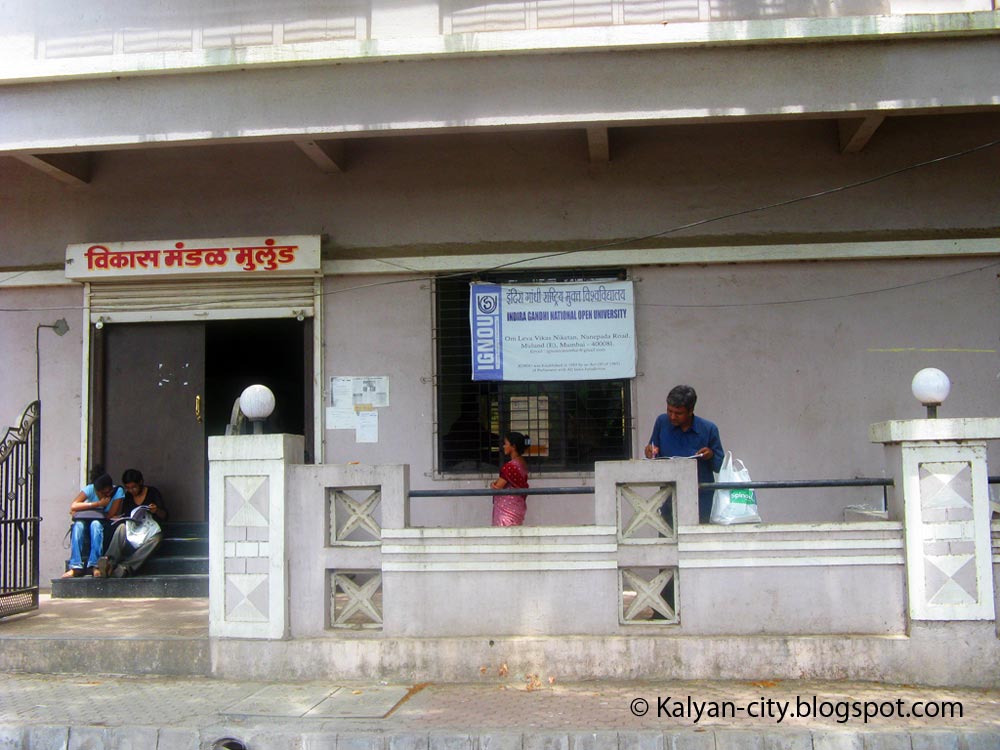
(805, 206)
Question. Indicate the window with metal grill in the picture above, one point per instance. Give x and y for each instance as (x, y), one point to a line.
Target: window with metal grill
(569, 424)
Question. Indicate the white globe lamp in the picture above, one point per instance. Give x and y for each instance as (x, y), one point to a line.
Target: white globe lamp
(931, 387)
(257, 403)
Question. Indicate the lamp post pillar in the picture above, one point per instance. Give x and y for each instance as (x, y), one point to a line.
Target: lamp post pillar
(248, 540)
(942, 496)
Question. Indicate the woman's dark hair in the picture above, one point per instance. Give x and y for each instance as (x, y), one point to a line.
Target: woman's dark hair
(103, 482)
(517, 440)
(132, 475)
(96, 471)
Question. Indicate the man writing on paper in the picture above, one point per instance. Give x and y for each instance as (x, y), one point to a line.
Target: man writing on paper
(679, 433)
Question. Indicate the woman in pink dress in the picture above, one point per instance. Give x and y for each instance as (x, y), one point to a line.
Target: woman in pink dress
(508, 510)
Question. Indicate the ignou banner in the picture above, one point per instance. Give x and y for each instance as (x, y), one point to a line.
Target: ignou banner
(570, 331)
(487, 332)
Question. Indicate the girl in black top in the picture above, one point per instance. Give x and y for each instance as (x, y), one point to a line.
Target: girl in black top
(138, 493)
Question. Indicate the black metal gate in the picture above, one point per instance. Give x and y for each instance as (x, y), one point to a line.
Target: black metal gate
(19, 513)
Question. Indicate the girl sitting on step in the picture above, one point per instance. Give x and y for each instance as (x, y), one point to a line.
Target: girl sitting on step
(90, 510)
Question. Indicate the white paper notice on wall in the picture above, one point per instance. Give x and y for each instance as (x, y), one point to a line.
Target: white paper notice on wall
(339, 418)
(353, 395)
(359, 390)
(367, 429)
(342, 393)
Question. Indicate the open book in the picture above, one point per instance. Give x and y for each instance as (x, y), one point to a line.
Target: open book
(138, 515)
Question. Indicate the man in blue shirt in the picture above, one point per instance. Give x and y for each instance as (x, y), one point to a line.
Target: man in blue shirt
(680, 433)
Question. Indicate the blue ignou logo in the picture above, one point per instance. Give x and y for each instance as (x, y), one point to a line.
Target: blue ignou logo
(487, 303)
(487, 336)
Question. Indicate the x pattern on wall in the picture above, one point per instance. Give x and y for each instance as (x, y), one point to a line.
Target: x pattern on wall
(247, 501)
(950, 575)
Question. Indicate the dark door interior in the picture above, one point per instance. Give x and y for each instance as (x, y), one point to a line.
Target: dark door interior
(239, 353)
(160, 389)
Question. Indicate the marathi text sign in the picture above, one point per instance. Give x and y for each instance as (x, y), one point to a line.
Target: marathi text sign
(572, 331)
(120, 260)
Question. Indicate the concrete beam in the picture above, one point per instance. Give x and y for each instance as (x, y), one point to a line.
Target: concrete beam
(680, 85)
(327, 155)
(597, 145)
(72, 169)
(856, 132)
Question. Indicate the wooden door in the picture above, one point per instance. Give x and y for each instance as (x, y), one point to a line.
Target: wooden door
(152, 410)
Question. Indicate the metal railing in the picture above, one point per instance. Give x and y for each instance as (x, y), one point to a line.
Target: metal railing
(586, 490)
(787, 484)
(506, 491)
(778, 484)
(19, 513)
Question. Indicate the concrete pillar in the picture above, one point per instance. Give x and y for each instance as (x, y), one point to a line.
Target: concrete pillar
(941, 495)
(248, 565)
(681, 475)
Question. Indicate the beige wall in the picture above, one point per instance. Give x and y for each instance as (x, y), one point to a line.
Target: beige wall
(100, 81)
(793, 387)
(60, 358)
(383, 330)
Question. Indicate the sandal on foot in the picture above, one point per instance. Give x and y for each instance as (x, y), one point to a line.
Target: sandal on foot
(103, 568)
(72, 573)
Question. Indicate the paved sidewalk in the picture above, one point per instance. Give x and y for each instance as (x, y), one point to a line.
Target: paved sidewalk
(110, 618)
(502, 710)
(169, 713)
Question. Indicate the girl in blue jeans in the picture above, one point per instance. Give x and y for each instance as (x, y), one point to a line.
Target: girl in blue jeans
(102, 500)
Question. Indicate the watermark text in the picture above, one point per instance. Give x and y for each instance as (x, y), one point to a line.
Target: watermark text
(777, 710)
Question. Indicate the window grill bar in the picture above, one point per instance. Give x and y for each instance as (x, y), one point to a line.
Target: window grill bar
(569, 424)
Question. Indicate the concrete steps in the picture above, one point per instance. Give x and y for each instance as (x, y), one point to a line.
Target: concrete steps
(192, 585)
(178, 569)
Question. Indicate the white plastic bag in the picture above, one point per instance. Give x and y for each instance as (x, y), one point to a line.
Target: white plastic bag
(734, 506)
(139, 532)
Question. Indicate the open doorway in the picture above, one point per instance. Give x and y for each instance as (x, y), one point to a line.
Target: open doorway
(161, 389)
(239, 353)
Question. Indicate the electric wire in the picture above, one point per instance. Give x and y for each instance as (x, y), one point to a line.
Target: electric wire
(702, 222)
(768, 206)
(846, 295)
